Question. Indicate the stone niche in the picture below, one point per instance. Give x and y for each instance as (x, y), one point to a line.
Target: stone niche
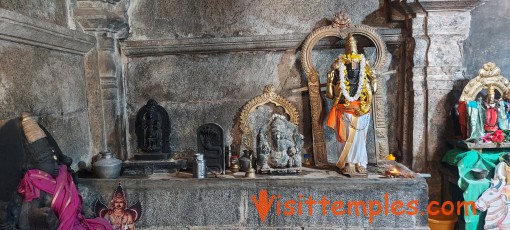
(201, 71)
(268, 125)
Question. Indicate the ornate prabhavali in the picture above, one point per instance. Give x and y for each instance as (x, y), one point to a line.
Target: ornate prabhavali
(269, 96)
(488, 75)
(341, 27)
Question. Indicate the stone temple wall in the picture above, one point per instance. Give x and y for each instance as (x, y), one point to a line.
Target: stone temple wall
(43, 73)
(54, 11)
(203, 60)
(488, 38)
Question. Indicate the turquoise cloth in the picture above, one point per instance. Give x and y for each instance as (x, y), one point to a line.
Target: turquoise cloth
(476, 117)
(466, 160)
(502, 116)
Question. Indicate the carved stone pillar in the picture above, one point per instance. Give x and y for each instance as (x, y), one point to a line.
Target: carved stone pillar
(106, 21)
(436, 31)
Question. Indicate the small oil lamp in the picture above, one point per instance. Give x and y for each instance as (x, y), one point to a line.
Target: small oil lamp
(392, 173)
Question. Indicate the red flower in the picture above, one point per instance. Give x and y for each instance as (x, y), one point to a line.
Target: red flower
(498, 136)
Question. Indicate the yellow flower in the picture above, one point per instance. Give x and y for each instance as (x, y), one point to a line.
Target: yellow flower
(390, 157)
(351, 57)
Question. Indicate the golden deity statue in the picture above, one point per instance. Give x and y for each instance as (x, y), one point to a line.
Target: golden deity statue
(351, 84)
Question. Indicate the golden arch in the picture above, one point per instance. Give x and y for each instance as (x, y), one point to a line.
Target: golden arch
(489, 74)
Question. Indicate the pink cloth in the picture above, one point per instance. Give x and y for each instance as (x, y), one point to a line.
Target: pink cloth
(66, 202)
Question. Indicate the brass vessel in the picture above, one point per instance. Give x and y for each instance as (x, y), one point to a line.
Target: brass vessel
(234, 164)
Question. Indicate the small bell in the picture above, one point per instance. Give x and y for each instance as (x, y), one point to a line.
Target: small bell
(250, 173)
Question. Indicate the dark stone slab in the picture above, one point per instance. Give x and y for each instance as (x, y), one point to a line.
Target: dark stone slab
(151, 167)
(211, 142)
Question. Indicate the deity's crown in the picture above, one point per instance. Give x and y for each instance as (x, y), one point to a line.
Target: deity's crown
(119, 193)
(350, 45)
(278, 121)
(491, 91)
(31, 129)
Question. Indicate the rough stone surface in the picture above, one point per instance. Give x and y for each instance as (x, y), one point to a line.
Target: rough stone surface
(51, 85)
(54, 11)
(228, 203)
(162, 19)
(488, 38)
(43, 73)
(210, 88)
(197, 89)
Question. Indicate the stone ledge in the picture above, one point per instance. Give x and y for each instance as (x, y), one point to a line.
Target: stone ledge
(18, 28)
(422, 6)
(169, 202)
(274, 228)
(230, 44)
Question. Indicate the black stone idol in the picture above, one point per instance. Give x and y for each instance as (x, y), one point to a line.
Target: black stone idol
(152, 132)
(210, 142)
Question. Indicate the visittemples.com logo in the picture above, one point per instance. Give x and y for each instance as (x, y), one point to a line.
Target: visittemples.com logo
(309, 205)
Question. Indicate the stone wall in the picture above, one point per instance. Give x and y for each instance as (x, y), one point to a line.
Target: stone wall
(175, 19)
(198, 89)
(42, 72)
(488, 38)
(54, 11)
(204, 60)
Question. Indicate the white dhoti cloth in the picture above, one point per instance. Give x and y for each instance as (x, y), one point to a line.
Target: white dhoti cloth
(357, 150)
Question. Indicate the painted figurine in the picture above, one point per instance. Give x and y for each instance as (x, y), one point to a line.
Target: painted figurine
(494, 201)
(491, 111)
(120, 217)
(351, 83)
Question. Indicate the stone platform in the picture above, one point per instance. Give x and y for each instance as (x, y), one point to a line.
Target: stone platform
(177, 201)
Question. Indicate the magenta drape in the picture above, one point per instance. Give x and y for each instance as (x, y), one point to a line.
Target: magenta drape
(66, 202)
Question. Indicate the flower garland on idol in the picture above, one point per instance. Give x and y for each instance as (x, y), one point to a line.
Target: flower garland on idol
(342, 71)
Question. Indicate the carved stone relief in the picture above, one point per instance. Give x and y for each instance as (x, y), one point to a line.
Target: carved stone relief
(152, 132)
(279, 147)
(211, 142)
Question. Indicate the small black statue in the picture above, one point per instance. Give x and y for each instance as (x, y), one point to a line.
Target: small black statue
(152, 131)
(210, 142)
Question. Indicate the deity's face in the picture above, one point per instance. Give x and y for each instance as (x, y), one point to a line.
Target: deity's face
(118, 203)
(277, 135)
(43, 156)
(490, 98)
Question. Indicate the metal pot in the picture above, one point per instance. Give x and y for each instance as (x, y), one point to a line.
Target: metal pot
(108, 167)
